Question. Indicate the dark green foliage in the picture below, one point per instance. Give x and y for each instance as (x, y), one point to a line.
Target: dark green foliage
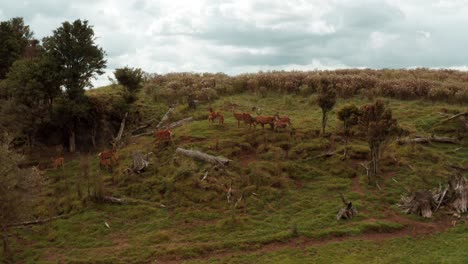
(377, 121)
(130, 78)
(349, 115)
(73, 49)
(326, 100)
(15, 36)
(72, 46)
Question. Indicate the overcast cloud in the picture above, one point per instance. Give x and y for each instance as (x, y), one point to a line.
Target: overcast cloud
(239, 36)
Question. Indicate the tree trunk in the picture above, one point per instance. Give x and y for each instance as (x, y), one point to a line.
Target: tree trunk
(71, 140)
(345, 154)
(121, 130)
(324, 121)
(6, 248)
(374, 165)
(93, 135)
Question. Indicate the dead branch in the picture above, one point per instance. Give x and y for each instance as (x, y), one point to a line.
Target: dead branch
(38, 221)
(326, 154)
(348, 211)
(203, 156)
(171, 126)
(455, 116)
(426, 140)
(457, 167)
(165, 118)
(129, 201)
(121, 130)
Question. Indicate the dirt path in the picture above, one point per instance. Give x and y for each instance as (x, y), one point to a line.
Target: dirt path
(412, 228)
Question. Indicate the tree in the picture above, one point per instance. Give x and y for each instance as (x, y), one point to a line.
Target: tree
(72, 47)
(377, 121)
(11, 192)
(14, 38)
(348, 114)
(130, 78)
(33, 85)
(326, 100)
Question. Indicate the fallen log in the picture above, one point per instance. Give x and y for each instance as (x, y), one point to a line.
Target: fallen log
(426, 140)
(165, 118)
(38, 221)
(347, 212)
(455, 116)
(171, 126)
(129, 201)
(326, 154)
(203, 156)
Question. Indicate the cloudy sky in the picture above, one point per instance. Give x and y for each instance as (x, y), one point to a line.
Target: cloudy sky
(236, 36)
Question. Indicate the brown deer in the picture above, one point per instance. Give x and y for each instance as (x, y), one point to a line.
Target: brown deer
(163, 135)
(215, 115)
(249, 120)
(108, 158)
(265, 120)
(285, 119)
(57, 162)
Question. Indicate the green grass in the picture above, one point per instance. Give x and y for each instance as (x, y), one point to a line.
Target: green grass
(283, 188)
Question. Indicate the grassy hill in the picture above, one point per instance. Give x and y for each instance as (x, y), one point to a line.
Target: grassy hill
(284, 200)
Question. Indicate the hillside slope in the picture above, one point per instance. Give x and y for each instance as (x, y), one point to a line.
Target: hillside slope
(284, 195)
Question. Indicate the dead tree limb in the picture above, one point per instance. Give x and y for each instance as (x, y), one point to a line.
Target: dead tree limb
(203, 156)
(129, 201)
(425, 140)
(165, 118)
(455, 116)
(171, 126)
(326, 154)
(348, 211)
(38, 221)
(121, 130)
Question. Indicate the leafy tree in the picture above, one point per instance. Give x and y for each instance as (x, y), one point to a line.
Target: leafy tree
(326, 100)
(14, 38)
(130, 78)
(377, 121)
(72, 47)
(33, 85)
(349, 115)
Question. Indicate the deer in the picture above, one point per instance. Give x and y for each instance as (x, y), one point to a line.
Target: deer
(108, 158)
(215, 115)
(285, 119)
(57, 162)
(164, 135)
(265, 120)
(249, 119)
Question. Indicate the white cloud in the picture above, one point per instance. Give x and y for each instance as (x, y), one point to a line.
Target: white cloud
(424, 34)
(236, 36)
